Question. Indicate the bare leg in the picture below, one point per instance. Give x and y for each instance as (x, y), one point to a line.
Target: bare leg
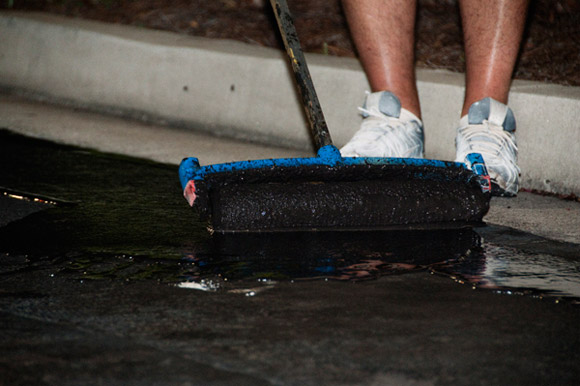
(383, 31)
(492, 32)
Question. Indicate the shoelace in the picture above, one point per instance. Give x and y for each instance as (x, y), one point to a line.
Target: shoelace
(490, 140)
(492, 144)
(394, 126)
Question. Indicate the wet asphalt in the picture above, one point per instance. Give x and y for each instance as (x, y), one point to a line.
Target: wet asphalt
(115, 282)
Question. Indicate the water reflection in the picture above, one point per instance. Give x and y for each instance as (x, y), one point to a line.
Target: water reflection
(331, 255)
(263, 259)
(511, 270)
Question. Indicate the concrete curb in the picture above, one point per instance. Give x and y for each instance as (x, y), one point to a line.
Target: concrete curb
(246, 91)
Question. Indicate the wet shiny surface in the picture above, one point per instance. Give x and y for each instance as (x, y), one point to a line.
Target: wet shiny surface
(124, 219)
(118, 283)
(509, 270)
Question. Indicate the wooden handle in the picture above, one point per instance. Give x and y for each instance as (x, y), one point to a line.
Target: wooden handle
(301, 74)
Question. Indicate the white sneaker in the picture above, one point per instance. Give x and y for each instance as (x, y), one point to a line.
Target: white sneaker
(387, 130)
(488, 129)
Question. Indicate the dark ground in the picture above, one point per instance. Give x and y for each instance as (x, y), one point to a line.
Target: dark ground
(88, 295)
(550, 52)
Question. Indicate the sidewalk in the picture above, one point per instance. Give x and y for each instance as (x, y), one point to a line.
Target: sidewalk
(246, 92)
(543, 216)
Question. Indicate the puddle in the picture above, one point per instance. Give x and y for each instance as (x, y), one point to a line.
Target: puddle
(129, 222)
(326, 255)
(511, 271)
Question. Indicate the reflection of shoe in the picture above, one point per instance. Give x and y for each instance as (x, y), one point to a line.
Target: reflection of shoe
(489, 129)
(386, 131)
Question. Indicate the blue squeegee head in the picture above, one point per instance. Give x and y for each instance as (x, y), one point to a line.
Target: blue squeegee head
(332, 192)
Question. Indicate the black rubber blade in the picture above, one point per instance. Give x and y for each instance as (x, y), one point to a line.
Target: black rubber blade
(360, 197)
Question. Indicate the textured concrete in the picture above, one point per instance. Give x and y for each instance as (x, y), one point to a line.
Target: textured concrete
(237, 89)
(245, 91)
(129, 137)
(549, 217)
